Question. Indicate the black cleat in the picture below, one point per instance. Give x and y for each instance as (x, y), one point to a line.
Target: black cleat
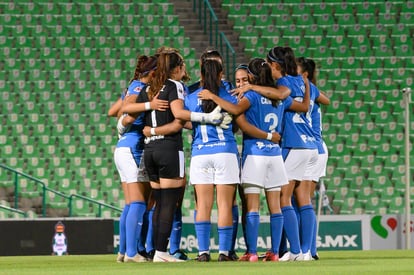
(224, 258)
(233, 255)
(205, 257)
(148, 255)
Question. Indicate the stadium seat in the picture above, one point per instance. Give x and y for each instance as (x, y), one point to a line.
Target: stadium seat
(397, 205)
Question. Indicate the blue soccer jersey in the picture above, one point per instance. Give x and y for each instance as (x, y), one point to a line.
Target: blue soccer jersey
(316, 117)
(263, 115)
(133, 137)
(297, 129)
(207, 138)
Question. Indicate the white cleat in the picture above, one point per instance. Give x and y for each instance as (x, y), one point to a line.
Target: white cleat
(120, 258)
(291, 257)
(136, 259)
(307, 256)
(296, 257)
(164, 257)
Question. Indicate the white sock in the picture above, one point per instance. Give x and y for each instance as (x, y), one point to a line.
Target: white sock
(202, 252)
(224, 252)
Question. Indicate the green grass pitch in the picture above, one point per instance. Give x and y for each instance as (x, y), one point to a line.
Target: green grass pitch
(332, 262)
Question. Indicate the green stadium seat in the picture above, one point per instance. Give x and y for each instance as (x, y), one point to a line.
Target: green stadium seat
(375, 205)
(358, 208)
(397, 206)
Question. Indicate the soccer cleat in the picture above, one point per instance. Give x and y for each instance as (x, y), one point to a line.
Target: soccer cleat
(233, 255)
(205, 257)
(164, 257)
(147, 255)
(296, 257)
(291, 257)
(307, 256)
(282, 253)
(120, 258)
(248, 257)
(224, 258)
(315, 257)
(285, 257)
(136, 259)
(179, 254)
(270, 257)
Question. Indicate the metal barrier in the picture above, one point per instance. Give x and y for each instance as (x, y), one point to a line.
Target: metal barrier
(217, 39)
(20, 212)
(46, 189)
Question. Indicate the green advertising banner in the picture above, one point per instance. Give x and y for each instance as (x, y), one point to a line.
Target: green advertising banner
(339, 235)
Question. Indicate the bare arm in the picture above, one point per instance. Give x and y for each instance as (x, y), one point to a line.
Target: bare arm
(177, 108)
(215, 117)
(115, 108)
(132, 108)
(167, 129)
(323, 99)
(253, 131)
(234, 109)
(278, 93)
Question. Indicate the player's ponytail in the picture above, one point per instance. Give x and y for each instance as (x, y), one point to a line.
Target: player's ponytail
(167, 61)
(261, 73)
(210, 74)
(290, 61)
(141, 60)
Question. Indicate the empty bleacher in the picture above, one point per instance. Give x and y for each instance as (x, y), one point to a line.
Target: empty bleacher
(63, 64)
(364, 51)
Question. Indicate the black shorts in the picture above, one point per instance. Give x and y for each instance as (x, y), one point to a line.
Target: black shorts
(168, 164)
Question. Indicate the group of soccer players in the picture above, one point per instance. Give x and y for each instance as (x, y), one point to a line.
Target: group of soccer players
(275, 106)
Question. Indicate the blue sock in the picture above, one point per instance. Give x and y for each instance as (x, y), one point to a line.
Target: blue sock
(175, 236)
(313, 245)
(276, 228)
(203, 230)
(291, 228)
(297, 212)
(252, 231)
(296, 207)
(144, 231)
(149, 244)
(225, 234)
(122, 229)
(134, 224)
(235, 212)
(307, 217)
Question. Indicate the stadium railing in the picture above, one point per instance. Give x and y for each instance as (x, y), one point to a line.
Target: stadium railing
(68, 198)
(10, 209)
(217, 38)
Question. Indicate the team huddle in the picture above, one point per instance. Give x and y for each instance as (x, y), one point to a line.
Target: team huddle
(275, 105)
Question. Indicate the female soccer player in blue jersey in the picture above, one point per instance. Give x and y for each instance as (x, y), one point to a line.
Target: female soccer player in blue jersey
(262, 163)
(128, 159)
(300, 153)
(213, 54)
(307, 68)
(214, 166)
